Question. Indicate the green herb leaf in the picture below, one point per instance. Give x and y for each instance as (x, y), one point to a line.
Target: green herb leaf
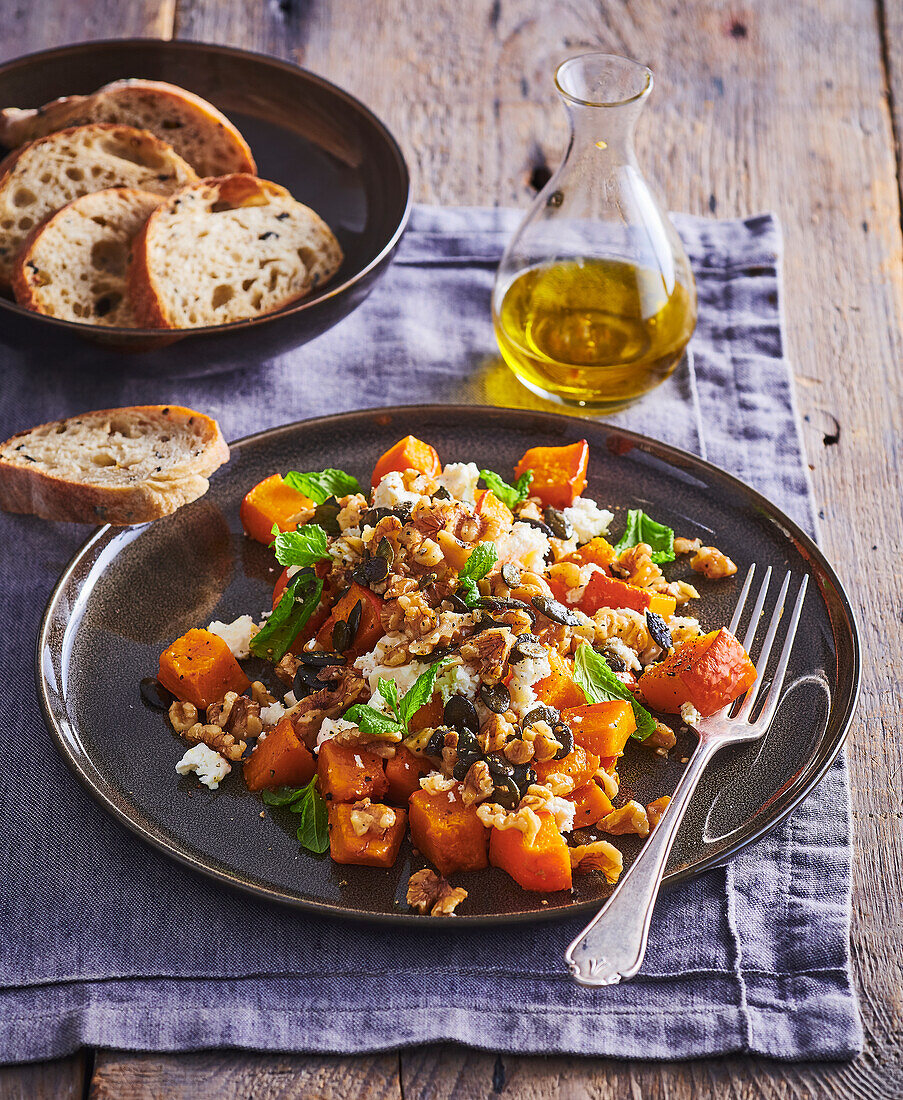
(388, 689)
(600, 685)
(508, 494)
(421, 691)
(640, 528)
(306, 546)
(373, 721)
(477, 566)
(298, 603)
(313, 832)
(326, 483)
(285, 796)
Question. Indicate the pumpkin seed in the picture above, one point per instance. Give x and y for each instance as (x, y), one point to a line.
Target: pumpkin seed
(561, 731)
(374, 515)
(458, 604)
(326, 515)
(496, 697)
(442, 494)
(524, 776)
(538, 524)
(154, 694)
(558, 522)
(542, 713)
(437, 741)
(614, 662)
(461, 714)
(511, 575)
(498, 765)
(426, 580)
(384, 550)
(507, 793)
(555, 611)
(305, 681)
(341, 636)
(319, 660)
(354, 619)
(658, 629)
(438, 653)
(371, 571)
(527, 645)
(467, 742)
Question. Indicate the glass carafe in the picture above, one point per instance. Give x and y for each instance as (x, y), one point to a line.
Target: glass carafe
(594, 301)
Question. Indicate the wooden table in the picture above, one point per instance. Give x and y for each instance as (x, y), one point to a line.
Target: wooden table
(785, 105)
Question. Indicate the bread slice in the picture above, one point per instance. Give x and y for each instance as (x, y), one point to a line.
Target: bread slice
(38, 179)
(197, 131)
(227, 249)
(74, 266)
(119, 466)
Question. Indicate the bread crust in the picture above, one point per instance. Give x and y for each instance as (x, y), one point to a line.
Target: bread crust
(34, 492)
(19, 126)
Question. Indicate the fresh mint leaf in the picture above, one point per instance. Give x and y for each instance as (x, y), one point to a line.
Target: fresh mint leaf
(388, 689)
(508, 494)
(303, 547)
(298, 603)
(481, 560)
(313, 833)
(420, 692)
(599, 685)
(326, 483)
(373, 721)
(641, 528)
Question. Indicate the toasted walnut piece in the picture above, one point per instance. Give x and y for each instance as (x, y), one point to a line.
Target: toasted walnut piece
(496, 731)
(683, 592)
(608, 781)
(351, 512)
(655, 810)
(450, 751)
(308, 713)
(260, 695)
(531, 584)
(356, 738)
(428, 554)
(686, 546)
(305, 515)
(369, 817)
(635, 565)
(287, 668)
(217, 739)
(182, 716)
(712, 563)
(236, 714)
(567, 573)
(545, 746)
(519, 751)
(661, 739)
(559, 783)
(436, 783)
(631, 818)
(488, 653)
(524, 819)
(623, 623)
(419, 618)
(478, 784)
(597, 856)
(427, 892)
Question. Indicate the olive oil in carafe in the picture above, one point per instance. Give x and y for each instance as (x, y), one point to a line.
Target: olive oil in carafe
(593, 332)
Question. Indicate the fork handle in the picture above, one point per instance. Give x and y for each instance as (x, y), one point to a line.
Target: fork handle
(613, 944)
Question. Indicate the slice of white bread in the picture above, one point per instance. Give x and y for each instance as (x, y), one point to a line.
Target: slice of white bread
(227, 249)
(197, 131)
(119, 466)
(74, 266)
(38, 179)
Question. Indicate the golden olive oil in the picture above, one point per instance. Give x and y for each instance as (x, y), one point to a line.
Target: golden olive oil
(594, 332)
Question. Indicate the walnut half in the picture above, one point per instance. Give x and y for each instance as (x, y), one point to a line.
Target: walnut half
(478, 784)
(236, 714)
(427, 892)
(217, 739)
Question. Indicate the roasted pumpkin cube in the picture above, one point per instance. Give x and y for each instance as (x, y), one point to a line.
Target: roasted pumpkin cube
(709, 672)
(591, 804)
(348, 774)
(448, 833)
(409, 453)
(543, 866)
(604, 591)
(373, 849)
(579, 764)
(280, 760)
(602, 728)
(404, 771)
(270, 502)
(559, 689)
(199, 668)
(559, 473)
(597, 551)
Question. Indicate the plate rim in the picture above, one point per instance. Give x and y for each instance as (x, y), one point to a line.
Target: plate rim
(200, 46)
(747, 837)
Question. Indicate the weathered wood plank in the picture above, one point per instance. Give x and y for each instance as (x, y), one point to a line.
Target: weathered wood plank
(62, 1079)
(31, 27)
(225, 1075)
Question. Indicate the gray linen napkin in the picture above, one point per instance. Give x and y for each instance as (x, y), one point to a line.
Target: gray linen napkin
(108, 943)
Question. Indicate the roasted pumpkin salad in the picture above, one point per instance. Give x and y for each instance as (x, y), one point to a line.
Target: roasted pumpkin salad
(460, 657)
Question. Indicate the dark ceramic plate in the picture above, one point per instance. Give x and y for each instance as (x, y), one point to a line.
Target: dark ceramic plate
(327, 148)
(128, 593)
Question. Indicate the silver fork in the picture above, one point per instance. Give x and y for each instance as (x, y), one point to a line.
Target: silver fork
(613, 944)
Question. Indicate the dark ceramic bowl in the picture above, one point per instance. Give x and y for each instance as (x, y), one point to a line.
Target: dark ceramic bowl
(306, 134)
(128, 593)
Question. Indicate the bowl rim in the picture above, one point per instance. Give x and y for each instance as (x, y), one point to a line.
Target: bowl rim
(82, 328)
(806, 781)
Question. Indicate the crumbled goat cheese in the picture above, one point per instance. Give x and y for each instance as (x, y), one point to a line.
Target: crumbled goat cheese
(372, 667)
(526, 674)
(524, 545)
(391, 491)
(621, 649)
(690, 714)
(237, 635)
(457, 680)
(460, 478)
(332, 726)
(209, 765)
(588, 519)
(270, 715)
(563, 811)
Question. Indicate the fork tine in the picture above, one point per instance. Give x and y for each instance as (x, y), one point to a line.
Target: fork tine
(757, 611)
(774, 692)
(738, 610)
(762, 662)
